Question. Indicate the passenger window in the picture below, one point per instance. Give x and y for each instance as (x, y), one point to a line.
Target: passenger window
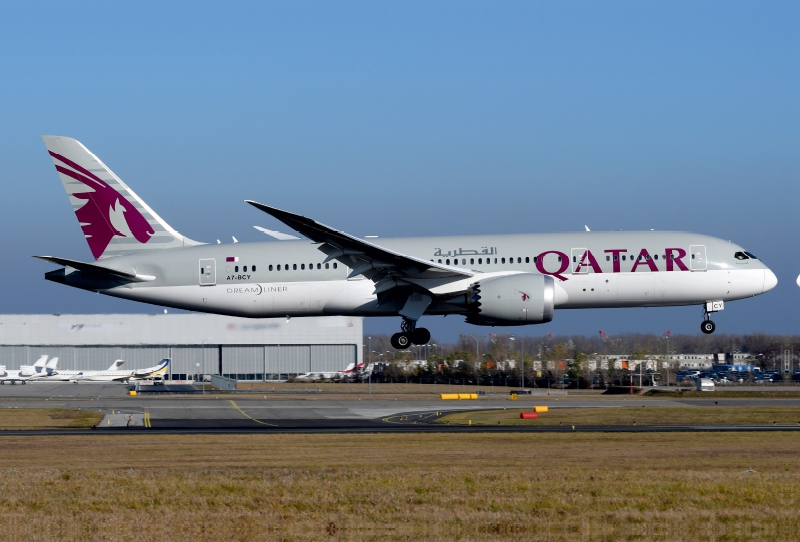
(463, 261)
(608, 258)
(335, 265)
(495, 260)
(559, 258)
(326, 265)
(511, 260)
(623, 257)
(519, 260)
(574, 259)
(616, 257)
(202, 270)
(319, 266)
(656, 256)
(503, 260)
(471, 261)
(447, 261)
(244, 269)
(294, 266)
(303, 266)
(480, 260)
(527, 259)
(440, 261)
(311, 266)
(535, 259)
(254, 269)
(693, 256)
(279, 267)
(270, 267)
(236, 269)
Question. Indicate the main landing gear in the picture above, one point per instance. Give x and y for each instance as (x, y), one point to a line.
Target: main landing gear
(707, 326)
(410, 334)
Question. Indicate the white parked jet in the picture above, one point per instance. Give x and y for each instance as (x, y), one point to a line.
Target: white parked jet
(122, 376)
(24, 373)
(351, 370)
(489, 279)
(52, 373)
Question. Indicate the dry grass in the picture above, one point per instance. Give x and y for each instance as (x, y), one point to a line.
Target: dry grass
(47, 418)
(655, 415)
(473, 487)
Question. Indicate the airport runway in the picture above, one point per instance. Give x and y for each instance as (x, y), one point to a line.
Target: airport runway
(258, 413)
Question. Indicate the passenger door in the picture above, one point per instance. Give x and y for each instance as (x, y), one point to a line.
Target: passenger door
(698, 258)
(208, 272)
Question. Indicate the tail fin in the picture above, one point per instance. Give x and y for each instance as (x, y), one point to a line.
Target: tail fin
(39, 364)
(114, 219)
(51, 365)
(116, 365)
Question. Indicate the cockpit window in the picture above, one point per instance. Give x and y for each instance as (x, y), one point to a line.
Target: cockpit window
(741, 256)
(751, 255)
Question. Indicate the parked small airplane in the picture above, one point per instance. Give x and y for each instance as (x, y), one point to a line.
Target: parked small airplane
(24, 373)
(122, 376)
(52, 373)
(491, 280)
(351, 370)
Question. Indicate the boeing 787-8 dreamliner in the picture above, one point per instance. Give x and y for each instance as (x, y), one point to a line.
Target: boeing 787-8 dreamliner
(492, 280)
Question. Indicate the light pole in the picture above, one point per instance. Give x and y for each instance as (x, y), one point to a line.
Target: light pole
(477, 362)
(521, 363)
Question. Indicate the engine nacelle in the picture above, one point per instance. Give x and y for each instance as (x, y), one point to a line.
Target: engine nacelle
(511, 300)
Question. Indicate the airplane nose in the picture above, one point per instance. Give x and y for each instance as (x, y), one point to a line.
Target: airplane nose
(770, 280)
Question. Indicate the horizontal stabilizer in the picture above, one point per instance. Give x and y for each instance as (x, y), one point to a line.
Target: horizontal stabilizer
(98, 269)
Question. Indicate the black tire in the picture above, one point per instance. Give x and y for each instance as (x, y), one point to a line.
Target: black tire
(400, 341)
(708, 327)
(420, 336)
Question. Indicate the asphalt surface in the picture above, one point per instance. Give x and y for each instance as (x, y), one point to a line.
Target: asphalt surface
(257, 413)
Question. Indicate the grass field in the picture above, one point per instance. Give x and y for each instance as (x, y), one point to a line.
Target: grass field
(50, 418)
(651, 415)
(650, 486)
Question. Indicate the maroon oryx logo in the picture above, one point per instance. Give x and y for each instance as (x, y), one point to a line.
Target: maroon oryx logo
(525, 296)
(103, 200)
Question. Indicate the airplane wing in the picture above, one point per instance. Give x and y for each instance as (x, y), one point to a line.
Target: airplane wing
(97, 269)
(386, 268)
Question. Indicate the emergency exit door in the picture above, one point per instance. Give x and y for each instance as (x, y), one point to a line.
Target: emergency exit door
(697, 260)
(208, 272)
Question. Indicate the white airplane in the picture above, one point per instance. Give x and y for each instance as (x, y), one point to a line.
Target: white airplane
(52, 373)
(122, 376)
(351, 370)
(491, 280)
(24, 373)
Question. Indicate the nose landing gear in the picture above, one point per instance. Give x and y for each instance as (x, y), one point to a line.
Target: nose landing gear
(410, 334)
(707, 326)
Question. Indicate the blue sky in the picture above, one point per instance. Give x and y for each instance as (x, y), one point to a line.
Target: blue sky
(413, 118)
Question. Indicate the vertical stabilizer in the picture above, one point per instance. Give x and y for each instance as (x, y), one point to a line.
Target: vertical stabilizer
(113, 218)
(116, 365)
(38, 366)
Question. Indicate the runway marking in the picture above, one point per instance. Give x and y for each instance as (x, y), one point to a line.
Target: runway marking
(246, 415)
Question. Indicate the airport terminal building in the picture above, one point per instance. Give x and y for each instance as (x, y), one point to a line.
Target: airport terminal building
(240, 348)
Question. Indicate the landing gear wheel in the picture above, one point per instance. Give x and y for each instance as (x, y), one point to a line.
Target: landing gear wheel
(400, 341)
(708, 327)
(420, 336)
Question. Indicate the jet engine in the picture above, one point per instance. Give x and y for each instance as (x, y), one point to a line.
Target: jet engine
(511, 300)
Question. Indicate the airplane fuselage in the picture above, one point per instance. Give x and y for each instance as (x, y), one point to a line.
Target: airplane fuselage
(292, 278)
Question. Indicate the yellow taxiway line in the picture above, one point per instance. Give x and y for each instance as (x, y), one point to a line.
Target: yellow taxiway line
(246, 415)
